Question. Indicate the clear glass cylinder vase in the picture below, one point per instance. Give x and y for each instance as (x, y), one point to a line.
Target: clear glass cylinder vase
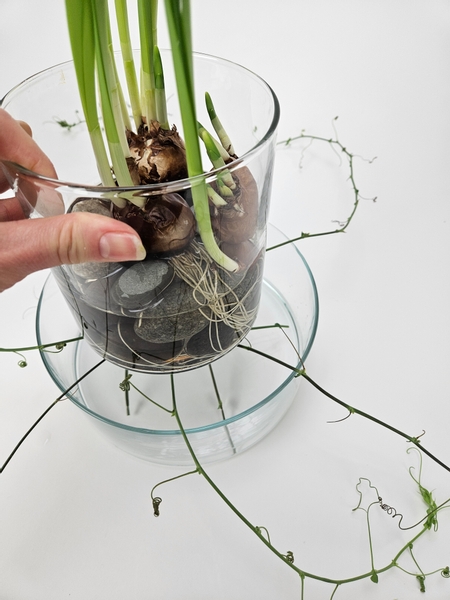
(177, 309)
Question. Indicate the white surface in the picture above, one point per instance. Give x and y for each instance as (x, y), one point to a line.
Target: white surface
(75, 513)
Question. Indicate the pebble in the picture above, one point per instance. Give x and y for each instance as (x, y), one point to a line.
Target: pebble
(142, 283)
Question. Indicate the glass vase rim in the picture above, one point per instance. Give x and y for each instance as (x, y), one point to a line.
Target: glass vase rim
(157, 188)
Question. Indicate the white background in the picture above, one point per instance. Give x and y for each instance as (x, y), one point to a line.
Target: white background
(75, 513)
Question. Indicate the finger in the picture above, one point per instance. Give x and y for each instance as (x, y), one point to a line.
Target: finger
(17, 146)
(34, 244)
(26, 128)
(11, 210)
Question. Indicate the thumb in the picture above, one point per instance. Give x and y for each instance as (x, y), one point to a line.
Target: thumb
(34, 244)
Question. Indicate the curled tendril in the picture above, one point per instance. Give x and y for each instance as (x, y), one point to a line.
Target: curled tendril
(390, 510)
(339, 150)
(350, 413)
(430, 519)
(125, 384)
(427, 496)
(446, 572)
(156, 502)
(58, 348)
(289, 556)
(23, 361)
(416, 439)
(261, 529)
(360, 493)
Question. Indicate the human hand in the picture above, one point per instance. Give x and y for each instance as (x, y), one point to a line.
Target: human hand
(28, 245)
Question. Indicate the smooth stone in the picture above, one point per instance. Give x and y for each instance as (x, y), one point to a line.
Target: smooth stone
(177, 298)
(213, 339)
(91, 205)
(175, 316)
(140, 351)
(91, 271)
(141, 283)
(170, 328)
(248, 291)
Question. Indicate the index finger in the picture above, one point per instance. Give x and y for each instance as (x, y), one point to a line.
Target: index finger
(17, 146)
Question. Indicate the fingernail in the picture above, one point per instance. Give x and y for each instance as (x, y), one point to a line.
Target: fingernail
(121, 246)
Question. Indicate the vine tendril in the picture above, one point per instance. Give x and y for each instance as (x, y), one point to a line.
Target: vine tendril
(156, 500)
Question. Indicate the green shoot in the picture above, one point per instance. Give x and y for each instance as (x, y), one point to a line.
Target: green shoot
(215, 157)
(215, 198)
(225, 191)
(123, 105)
(223, 153)
(219, 129)
(121, 98)
(160, 93)
(218, 155)
(82, 39)
(128, 61)
(90, 29)
(180, 36)
(109, 94)
(147, 10)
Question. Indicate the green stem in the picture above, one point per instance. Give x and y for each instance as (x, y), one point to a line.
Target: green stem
(128, 60)
(109, 93)
(42, 346)
(369, 534)
(147, 11)
(220, 407)
(350, 157)
(215, 157)
(218, 127)
(180, 35)
(201, 470)
(126, 391)
(257, 530)
(352, 410)
(150, 400)
(334, 592)
(215, 198)
(101, 157)
(220, 149)
(160, 92)
(46, 411)
(171, 479)
(415, 560)
(80, 20)
(275, 325)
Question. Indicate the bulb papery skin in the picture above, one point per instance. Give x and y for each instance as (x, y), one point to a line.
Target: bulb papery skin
(236, 221)
(157, 155)
(166, 224)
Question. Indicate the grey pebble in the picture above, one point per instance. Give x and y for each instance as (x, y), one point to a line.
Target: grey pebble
(141, 283)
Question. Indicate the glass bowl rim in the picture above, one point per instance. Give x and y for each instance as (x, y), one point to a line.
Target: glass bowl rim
(168, 187)
(210, 426)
